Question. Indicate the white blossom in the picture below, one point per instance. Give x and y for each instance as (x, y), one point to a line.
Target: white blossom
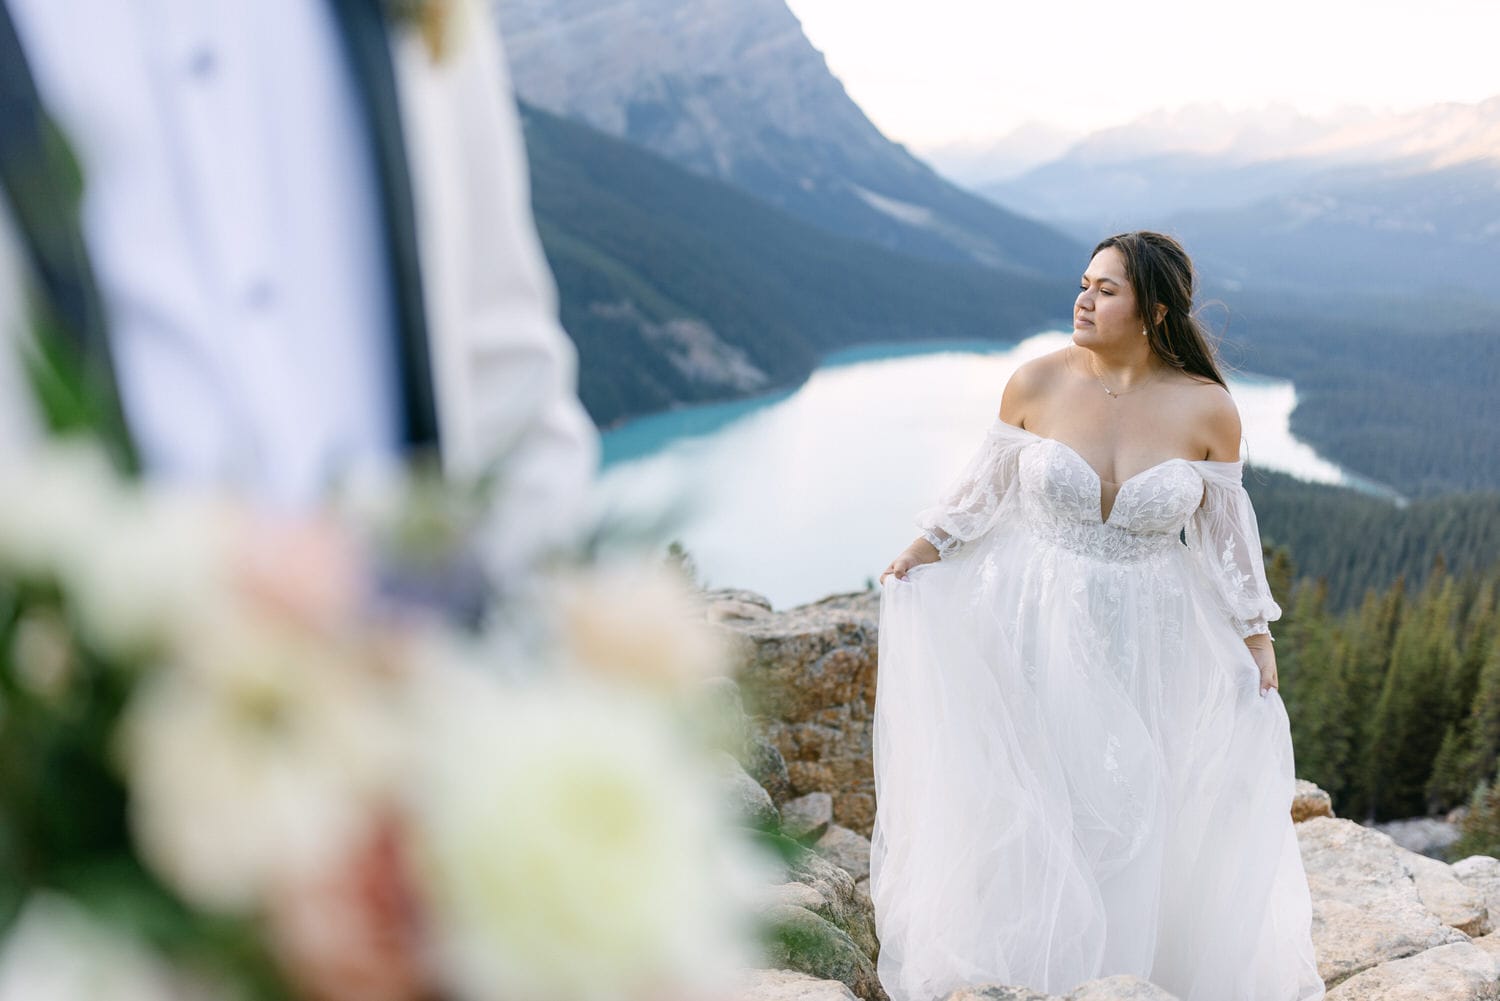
(571, 848)
(256, 758)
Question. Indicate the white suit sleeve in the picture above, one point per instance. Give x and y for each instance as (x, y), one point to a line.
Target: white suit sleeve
(969, 507)
(507, 372)
(1224, 538)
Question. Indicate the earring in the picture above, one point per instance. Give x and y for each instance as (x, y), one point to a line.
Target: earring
(1143, 332)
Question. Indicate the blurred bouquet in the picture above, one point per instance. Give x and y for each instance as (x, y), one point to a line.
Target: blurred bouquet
(245, 758)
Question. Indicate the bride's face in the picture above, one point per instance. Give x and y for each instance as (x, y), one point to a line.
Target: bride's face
(1105, 311)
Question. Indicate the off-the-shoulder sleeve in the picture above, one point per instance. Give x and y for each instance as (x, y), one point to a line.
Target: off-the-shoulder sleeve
(1224, 538)
(968, 507)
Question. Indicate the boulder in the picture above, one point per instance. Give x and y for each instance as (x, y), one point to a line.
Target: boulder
(747, 800)
(1310, 801)
(1366, 909)
(798, 939)
(806, 818)
(842, 904)
(849, 850)
(1447, 898)
(787, 985)
(1122, 987)
(1481, 873)
(1461, 971)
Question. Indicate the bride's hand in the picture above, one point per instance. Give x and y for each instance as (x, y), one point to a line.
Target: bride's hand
(919, 552)
(1265, 659)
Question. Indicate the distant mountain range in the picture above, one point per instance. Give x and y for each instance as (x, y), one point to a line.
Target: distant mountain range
(1281, 199)
(733, 90)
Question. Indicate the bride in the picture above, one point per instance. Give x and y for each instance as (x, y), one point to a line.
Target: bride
(1083, 766)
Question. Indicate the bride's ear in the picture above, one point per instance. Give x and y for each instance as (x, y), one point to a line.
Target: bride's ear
(1161, 312)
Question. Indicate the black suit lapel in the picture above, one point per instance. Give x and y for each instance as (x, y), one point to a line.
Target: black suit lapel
(73, 370)
(367, 46)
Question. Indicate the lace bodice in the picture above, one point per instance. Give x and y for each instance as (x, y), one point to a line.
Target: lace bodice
(1060, 501)
(1055, 494)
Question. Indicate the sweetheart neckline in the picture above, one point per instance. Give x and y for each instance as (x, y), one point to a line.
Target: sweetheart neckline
(1101, 517)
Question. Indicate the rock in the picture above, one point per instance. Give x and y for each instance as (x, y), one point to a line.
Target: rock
(808, 680)
(998, 992)
(1365, 903)
(849, 850)
(1427, 835)
(862, 890)
(1460, 971)
(801, 940)
(1120, 988)
(1310, 801)
(1481, 873)
(1447, 898)
(786, 985)
(1489, 943)
(842, 904)
(806, 818)
(749, 802)
(766, 765)
(736, 596)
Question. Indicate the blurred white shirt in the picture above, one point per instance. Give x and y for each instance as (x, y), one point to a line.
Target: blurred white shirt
(232, 216)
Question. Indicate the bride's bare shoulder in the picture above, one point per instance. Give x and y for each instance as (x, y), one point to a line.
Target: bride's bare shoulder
(1030, 383)
(1218, 419)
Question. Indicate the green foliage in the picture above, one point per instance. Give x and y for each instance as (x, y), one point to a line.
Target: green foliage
(1354, 542)
(1395, 705)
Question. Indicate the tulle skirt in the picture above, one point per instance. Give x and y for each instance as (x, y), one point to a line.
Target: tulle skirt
(1076, 776)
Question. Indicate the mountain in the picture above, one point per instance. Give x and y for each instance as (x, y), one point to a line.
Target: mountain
(1202, 157)
(733, 90)
(680, 288)
(1277, 199)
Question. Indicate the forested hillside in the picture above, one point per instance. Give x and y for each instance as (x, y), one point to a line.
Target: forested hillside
(1355, 542)
(1395, 706)
(677, 288)
(1403, 391)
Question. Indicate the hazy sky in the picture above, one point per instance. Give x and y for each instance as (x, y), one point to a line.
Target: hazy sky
(929, 71)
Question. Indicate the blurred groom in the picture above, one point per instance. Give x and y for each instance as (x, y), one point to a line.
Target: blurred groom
(304, 246)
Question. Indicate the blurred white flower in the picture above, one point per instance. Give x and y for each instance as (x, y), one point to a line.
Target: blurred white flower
(163, 562)
(258, 757)
(571, 848)
(57, 500)
(637, 621)
(57, 951)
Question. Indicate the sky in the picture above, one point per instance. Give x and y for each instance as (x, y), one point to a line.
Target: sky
(931, 72)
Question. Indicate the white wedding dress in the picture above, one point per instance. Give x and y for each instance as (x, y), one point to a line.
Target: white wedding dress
(1075, 773)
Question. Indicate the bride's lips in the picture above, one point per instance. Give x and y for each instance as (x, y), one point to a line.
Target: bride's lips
(1079, 321)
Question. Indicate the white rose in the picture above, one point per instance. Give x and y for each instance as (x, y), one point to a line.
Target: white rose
(258, 757)
(571, 848)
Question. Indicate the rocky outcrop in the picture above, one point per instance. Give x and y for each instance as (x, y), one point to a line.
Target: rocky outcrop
(1388, 923)
(808, 680)
(1460, 971)
(1366, 907)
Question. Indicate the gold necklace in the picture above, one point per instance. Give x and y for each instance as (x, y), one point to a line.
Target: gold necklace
(1110, 392)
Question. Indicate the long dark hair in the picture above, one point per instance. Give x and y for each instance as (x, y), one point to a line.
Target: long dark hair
(1161, 273)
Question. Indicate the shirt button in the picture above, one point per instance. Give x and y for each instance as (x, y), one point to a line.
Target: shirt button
(260, 295)
(202, 63)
